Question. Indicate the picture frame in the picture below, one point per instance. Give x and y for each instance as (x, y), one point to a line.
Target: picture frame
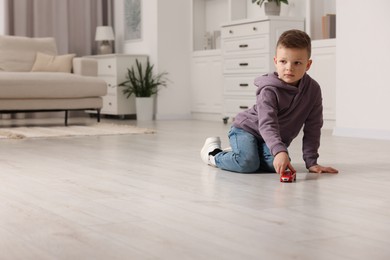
(132, 20)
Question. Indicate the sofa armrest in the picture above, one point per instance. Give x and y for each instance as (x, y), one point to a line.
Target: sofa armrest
(85, 66)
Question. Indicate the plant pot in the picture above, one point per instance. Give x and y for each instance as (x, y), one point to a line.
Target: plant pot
(144, 108)
(271, 8)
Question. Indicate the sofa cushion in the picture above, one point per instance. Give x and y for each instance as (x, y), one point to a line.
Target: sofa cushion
(51, 63)
(18, 53)
(32, 85)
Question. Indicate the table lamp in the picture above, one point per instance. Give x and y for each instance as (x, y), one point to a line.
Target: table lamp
(104, 34)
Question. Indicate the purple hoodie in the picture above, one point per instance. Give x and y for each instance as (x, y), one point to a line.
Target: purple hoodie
(280, 112)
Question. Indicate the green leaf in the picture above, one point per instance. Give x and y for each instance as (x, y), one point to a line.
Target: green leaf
(142, 82)
(278, 2)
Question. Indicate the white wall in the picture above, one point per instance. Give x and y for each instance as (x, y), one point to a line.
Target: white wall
(363, 53)
(2, 17)
(174, 56)
(148, 43)
(166, 39)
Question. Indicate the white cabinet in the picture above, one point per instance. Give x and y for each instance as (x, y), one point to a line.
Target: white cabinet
(206, 83)
(113, 69)
(323, 70)
(248, 47)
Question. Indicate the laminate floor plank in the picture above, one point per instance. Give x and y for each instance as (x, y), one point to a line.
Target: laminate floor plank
(151, 197)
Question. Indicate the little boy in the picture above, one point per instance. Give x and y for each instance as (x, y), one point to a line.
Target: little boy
(286, 101)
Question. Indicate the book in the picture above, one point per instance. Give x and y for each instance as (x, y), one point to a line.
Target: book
(329, 26)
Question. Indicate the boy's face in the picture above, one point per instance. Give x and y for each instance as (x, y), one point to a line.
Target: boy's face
(291, 64)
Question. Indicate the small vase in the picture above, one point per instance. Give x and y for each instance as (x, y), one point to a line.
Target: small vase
(271, 8)
(144, 108)
(105, 48)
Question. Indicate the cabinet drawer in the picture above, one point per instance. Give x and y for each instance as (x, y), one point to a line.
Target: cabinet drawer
(112, 84)
(259, 44)
(109, 104)
(249, 29)
(234, 106)
(107, 67)
(252, 64)
(242, 85)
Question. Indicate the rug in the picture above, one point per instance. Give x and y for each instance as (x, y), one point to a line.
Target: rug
(69, 131)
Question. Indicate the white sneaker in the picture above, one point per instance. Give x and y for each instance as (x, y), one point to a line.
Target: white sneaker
(210, 145)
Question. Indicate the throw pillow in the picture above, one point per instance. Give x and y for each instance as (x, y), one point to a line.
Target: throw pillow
(49, 63)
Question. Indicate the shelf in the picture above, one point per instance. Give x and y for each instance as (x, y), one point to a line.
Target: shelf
(323, 43)
(204, 53)
(207, 17)
(314, 12)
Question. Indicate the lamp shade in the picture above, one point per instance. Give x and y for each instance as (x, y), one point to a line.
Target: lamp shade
(104, 33)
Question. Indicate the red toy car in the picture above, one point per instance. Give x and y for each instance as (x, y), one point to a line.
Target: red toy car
(288, 176)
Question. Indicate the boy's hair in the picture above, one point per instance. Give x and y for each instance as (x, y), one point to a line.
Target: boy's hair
(295, 39)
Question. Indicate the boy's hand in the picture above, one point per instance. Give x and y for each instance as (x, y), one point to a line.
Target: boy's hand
(281, 162)
(322, 169)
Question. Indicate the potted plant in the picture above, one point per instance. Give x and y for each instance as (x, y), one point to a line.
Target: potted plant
(143, 84)
(271, 7)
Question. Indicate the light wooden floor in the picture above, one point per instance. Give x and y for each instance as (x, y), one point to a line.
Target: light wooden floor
(151, 197)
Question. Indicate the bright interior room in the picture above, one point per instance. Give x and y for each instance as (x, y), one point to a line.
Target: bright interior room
(97, 164)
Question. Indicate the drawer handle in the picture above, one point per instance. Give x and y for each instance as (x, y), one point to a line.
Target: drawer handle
(244, 107)
(254, 28)
(110, 86)
(244, 85)
(109, 103)
(243, 45)
(231, 31)
(244, 64)
(109, 66)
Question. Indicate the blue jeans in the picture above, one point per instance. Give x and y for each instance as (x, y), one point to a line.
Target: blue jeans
(248, 154)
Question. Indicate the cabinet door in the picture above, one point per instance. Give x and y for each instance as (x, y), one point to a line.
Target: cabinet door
(207, 89)
(323, 70)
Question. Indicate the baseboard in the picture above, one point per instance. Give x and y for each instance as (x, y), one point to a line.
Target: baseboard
(206, 116)
(173, 117)
(362, 133)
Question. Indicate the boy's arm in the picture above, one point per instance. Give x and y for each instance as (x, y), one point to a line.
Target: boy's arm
(312, 133)
(268, 124)
(312, 136)
(267, 109)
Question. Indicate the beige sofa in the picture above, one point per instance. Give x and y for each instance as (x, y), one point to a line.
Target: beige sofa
(33, 78)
